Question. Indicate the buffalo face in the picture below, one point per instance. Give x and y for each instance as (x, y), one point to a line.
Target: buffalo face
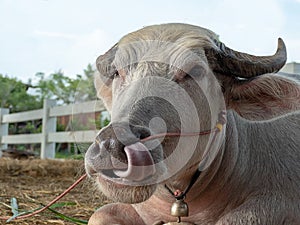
(164, 79)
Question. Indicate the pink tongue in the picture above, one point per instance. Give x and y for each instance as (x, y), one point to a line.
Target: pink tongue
(140, 163)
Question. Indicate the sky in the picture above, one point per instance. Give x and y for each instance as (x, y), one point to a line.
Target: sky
(51, 35)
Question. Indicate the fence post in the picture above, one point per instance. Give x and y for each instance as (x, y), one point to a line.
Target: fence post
(48, 126)
(3, 129)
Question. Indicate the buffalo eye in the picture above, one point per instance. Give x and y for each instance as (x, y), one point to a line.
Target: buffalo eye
(114, 75)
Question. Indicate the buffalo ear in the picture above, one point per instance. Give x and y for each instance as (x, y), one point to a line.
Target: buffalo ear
(264, 97)
(104, 91)
(105, 66)
(104, 75)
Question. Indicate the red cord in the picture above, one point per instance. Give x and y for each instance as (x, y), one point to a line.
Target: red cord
(188, 134)
(50, 203)
(155, 136)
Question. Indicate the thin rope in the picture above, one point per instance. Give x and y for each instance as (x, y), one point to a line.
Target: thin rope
(218, 128)
(50, 203)
(188, 134)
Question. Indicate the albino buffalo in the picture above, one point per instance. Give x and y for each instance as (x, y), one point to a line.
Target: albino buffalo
(181, 103)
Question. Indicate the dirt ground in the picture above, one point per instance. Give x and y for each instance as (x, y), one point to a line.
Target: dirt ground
(34, 182)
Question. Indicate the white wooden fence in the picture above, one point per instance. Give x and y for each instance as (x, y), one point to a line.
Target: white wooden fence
(48, 137)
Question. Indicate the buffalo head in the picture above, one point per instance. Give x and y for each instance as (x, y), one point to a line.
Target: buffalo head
(172, 78)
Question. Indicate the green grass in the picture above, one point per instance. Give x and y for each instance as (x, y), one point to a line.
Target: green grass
(63, 155)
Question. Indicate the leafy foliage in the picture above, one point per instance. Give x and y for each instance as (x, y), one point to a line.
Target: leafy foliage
(66, 90)
(14, 95)
(85, 90)
(18, 96)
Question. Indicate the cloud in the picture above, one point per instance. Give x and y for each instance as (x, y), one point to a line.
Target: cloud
(54, 34)
(84, 49)
(77, 37)
(293, 47)
(50, 51)
(251, 26)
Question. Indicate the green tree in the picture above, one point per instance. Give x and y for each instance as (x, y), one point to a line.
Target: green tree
(85, 90)
(66, 90)
(18, 96)
(15, 96)
(56, 86)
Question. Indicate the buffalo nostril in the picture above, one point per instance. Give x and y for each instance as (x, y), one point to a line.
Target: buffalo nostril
(144, 134)
(108, 151)
(140, 132)
(115, 150)
(106, 144)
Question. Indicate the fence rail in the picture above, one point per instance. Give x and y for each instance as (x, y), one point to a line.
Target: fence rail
(49, 136)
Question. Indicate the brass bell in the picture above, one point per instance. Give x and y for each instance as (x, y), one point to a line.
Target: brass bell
(180, 208)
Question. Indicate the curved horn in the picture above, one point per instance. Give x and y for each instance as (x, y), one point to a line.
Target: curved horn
(229, 62)
(104, 64)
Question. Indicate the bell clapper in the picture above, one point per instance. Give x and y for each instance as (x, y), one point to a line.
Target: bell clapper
(179, 219)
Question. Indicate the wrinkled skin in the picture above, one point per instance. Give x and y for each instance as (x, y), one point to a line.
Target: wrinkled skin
(254, 174)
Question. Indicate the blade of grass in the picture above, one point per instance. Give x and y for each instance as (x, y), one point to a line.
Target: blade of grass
(14, 216)
(67, 218)
(14, 209)
(22, 213)
(62, 204)
(14, 206)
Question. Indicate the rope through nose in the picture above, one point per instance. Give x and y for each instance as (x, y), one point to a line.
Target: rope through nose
(218, 127)
(176, 134)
